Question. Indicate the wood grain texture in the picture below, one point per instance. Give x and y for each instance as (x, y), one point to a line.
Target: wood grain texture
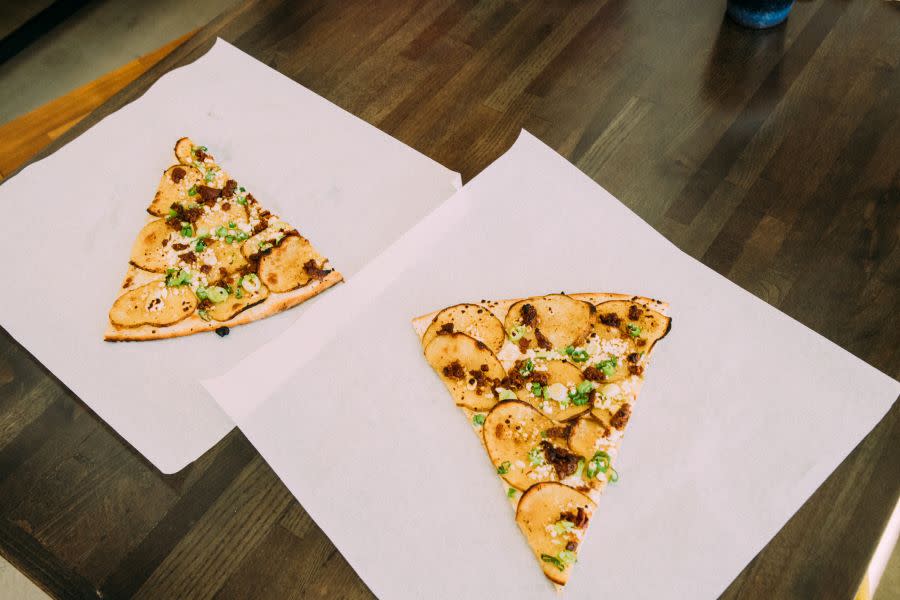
(25, 136)
(770, 156)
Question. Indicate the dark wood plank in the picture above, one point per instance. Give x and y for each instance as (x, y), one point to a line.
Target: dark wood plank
(770, 156)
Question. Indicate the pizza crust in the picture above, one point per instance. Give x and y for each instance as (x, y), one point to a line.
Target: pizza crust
(501, 307)
(274, 304)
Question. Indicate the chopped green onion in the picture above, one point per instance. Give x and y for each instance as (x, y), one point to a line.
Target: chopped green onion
(536, 389)
(527, 369)
(203, 315)
(580, 468)
(204, 148)
(613, 475)
(633, 330)
(242, 200)
(580, 395)
(238, 293)
(250, 282)
(231, 225)
(553, 560)
(580, 355)
(172, 214)
(192, 191)
(598, 464)
(567, 557)
(503, 469)
(536, 456)
(563, 527)
(478, 419)
(241, 235)
(210, 175)
(507, 395)
(608, 366)
(199, 246)
(510, 492)
(201, 293)
(242, 189)
(229, 239)
(263, 246)
(176, 277)
(221, 232)
(187, 230)
(576, 354)
(516, 333)
(216, 294)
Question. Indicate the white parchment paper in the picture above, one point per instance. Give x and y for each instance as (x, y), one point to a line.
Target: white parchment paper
(348, 187)
(743, 414)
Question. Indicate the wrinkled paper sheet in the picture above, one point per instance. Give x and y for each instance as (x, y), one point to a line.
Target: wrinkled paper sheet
(348, 187)
(724, 445)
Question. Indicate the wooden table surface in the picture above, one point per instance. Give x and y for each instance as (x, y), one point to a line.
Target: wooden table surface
(773, 157)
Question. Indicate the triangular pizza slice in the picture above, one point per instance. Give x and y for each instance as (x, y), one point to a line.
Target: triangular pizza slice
(211, 257)
(548, 384)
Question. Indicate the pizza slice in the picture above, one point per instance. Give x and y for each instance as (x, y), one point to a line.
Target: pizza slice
(211, 257)
(548, 384)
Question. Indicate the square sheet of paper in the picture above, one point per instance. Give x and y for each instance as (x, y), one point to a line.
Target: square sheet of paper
(348, 187)
(715, 460)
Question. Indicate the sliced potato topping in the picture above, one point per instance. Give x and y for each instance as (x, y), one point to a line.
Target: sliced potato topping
(613, 418)
(640, 326)
(183, 148)
(513, 432)
(218, 216)
(473, 320)
(467, 367)
(255, 243)
(224, 256)
(553, 388)
(586, 434)
(291, 264)
(149, 252)
(173, 188)
(153, 304)
(553, 518)
(241, 297)
(553, 321)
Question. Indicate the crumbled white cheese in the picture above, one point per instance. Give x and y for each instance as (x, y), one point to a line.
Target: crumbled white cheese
(541, 472)
(557, 391)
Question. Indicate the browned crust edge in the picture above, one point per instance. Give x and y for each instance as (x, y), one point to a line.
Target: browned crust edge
(274, 304)
(421, 323)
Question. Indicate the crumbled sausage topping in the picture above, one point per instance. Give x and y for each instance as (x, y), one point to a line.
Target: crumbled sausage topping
(177, 174)
(564, 462)
(454, 370)
(529, 314)
(610, 319)
(620, 419)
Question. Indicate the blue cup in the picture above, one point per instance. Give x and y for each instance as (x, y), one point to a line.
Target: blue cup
(759, 14)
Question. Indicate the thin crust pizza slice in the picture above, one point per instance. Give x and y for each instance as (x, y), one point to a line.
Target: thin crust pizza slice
(211, 257)
(548, 384)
